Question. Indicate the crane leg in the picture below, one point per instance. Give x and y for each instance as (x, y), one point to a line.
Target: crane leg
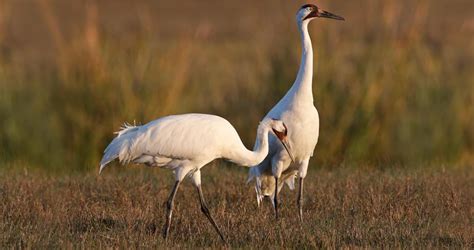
(275, 198)
(206, 212)
(169, 212)
(300, 198)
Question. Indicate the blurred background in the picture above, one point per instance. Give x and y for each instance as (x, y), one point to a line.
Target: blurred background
(394, 83)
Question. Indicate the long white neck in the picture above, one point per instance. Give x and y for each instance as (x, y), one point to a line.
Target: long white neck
(302, 88)
(245, 157)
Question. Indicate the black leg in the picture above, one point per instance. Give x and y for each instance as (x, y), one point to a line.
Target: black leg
(206, 212)
(300, 199)
(170, 206)
(275, 198)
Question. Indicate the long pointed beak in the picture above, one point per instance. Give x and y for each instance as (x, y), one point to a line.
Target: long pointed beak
(325, 14)
(287, 147)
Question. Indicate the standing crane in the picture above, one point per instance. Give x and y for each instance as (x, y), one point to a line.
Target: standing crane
(297, 111)
(186, 143)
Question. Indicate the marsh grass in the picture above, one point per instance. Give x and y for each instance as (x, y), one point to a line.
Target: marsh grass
(393, 84)
(343, 208)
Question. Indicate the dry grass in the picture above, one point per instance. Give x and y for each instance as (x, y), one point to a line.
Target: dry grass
(344, 208)
(394, 83)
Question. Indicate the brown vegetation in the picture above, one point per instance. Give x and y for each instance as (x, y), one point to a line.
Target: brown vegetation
(393, 83)
(344, 208)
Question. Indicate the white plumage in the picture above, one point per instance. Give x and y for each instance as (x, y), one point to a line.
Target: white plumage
(185, 143)
(297, 111)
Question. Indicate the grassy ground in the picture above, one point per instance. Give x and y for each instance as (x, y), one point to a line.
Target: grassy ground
(344, 208)
(393, 83)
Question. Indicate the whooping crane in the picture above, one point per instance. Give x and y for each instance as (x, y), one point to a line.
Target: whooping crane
(297, 111)
(185, 143)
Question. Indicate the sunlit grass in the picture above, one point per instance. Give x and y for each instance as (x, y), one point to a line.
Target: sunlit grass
(388, 91)
(343, 208)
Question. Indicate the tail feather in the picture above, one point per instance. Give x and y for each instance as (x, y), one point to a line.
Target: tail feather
(102, 166)
(289, 179)
(126, 128)
(120, 147)
(254, 173)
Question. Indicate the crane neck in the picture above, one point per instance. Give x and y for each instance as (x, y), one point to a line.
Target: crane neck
(251, 158)
(302, 88)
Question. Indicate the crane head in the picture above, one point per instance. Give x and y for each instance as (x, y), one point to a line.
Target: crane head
(311, 11)
(281, 131)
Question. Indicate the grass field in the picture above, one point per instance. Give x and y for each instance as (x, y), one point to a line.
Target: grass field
(344, 208)
(393, 84)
